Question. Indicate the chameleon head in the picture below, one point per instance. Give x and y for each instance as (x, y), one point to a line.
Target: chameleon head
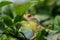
(28, 17)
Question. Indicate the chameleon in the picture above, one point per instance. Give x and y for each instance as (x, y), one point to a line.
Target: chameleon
(32, 23)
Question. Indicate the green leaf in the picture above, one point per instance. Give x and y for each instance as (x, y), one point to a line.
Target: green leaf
(57, 23)
(41, 17)
(11, 38)
(18, 25)
(58, 2)
(41, 1)
(3, 3)
(47, 22)
(31, 10)
(20, 9)
(45, 10)
(3, 37)
(7, 20)
(8, 11)
(53, 35)
(18, 18)
(9, 30)
(2, 26)
(50, 2)
(40, 35)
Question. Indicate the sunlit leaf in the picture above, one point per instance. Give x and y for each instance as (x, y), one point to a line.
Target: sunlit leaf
(20, 9)
(3, 3)
(41, 1)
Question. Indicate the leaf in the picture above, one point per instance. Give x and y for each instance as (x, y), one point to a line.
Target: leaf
(11, 38)
(18, 25)
(45, 10)
(41, 1)
(20, 9)
(2, 26)
(50, 2)
(31, 10)
(57, 23)
(8, 11)
(58, 2)
(3, 3)
(18, 18)
(41, 17)
(40, 35)
(9, 30)
(53, 35)
(47, 22)
(7, 20)
(3, 37)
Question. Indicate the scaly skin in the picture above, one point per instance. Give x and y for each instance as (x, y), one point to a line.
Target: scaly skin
(30, 24)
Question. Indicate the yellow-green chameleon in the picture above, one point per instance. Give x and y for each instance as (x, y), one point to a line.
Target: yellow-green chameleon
(30, 26)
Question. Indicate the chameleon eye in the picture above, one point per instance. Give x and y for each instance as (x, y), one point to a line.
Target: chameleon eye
(29, 15)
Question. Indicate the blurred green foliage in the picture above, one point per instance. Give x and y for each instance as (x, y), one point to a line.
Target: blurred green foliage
(47, 12)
